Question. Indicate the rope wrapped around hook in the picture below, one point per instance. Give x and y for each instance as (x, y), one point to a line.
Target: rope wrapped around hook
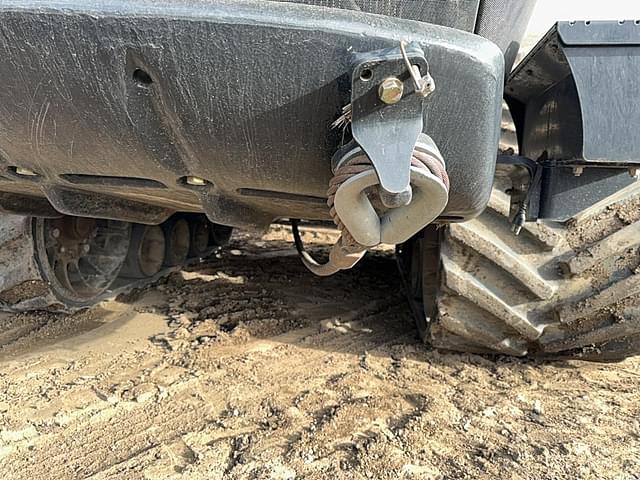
(347, 251)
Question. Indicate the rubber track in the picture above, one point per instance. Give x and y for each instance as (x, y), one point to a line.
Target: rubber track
(22, 287)
(570, 289)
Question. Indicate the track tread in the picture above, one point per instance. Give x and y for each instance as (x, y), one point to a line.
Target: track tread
(504, 256)
(23, 286)
(468, 286)
(556, 294)
(621, 240)
(608, 297)
(548, 237)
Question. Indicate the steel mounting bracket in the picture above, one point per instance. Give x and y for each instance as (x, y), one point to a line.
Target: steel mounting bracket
(387, 132)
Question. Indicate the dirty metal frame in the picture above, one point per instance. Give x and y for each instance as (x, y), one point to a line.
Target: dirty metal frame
(573, 104)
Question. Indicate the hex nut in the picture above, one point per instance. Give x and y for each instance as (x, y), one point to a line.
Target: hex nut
(390, 90)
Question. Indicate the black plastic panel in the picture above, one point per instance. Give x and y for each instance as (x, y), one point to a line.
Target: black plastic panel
(460, 14)
(574, 96)
(573, 100)
(504, 22)
(241, 94)
(564, 194)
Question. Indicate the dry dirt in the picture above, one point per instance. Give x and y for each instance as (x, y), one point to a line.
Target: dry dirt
(247, 366)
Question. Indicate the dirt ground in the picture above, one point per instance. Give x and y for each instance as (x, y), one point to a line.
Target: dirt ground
(247, 366)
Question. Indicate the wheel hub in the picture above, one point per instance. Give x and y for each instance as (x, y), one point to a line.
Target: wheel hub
(80, 257)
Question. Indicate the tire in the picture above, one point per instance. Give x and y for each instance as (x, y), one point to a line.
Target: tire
(567, 289)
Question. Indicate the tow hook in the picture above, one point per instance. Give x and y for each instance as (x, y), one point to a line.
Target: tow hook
(390, 181)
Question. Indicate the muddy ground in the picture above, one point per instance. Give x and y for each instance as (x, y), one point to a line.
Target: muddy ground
(247, 366)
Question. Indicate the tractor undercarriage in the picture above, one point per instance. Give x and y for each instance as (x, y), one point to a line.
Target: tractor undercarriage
(135, 150)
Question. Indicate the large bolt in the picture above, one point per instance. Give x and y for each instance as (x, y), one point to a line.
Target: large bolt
(390, 90)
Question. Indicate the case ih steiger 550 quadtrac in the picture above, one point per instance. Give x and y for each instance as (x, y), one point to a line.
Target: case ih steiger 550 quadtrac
(134, 134)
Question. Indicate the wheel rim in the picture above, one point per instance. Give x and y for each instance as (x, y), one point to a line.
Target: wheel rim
(80, 257)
